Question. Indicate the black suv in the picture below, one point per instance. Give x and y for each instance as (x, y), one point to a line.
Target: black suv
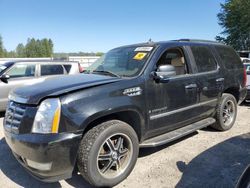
(142, 95)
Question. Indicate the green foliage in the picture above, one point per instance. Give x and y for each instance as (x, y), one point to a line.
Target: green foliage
(62, 55)
(2, 50)
(33, 48)
(235, 20)
(99, 54)
(20, 50)
(39, 48)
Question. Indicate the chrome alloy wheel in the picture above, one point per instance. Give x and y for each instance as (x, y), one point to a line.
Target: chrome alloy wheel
(228, 113)
(114, 155)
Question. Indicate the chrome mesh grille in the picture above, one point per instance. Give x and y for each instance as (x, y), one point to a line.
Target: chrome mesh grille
(13, 117)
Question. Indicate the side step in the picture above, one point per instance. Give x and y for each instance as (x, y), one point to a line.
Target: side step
(178, 133)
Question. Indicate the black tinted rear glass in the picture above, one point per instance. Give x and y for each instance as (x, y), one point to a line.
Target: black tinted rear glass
(229, 57)
(204, 58)
(51, 70)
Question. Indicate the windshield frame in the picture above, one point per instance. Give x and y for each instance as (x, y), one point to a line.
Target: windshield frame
(8, 65)
(142, 69)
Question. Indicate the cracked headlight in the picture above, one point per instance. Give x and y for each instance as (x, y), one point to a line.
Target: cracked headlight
(47, 117)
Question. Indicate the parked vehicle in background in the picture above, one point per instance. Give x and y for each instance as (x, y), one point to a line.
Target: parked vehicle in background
(247, 67)
(141, 95)
(245, 60)
(20, 73)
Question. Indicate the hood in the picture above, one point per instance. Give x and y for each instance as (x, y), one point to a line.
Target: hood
(33, 94)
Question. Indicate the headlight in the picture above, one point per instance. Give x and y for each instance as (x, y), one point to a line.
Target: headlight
(47, 117)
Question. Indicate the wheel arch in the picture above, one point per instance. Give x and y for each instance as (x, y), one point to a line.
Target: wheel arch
(233, 91)
(131, 117)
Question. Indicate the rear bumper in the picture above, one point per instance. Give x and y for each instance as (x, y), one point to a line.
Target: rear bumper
(58, 151)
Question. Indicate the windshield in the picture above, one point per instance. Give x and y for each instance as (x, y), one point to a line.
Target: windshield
(5, 66)
(123, 61)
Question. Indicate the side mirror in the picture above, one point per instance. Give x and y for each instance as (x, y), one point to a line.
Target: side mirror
(163, 73)
(4, 78)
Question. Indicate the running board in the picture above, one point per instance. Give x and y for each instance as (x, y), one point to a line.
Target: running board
(176, 134)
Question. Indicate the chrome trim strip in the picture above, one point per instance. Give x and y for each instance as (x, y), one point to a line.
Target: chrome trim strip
(181, 109)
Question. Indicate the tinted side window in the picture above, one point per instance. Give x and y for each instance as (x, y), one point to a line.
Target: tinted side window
(22, 71)
(229, 57)
(51, 70)
(204, 58)
(67, 68)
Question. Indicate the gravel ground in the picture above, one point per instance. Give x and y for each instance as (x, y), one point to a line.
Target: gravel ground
(204, 159)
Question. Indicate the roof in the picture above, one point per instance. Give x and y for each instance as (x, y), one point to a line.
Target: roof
(179, 41)
(42, 61)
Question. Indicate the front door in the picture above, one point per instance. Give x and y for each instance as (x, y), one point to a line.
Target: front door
(172, 105)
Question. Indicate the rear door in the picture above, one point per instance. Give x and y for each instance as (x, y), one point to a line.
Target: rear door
(209, 77)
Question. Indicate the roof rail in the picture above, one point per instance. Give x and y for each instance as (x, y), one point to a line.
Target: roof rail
(196, 40)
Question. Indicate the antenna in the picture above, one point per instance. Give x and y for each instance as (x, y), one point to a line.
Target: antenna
(150, 41)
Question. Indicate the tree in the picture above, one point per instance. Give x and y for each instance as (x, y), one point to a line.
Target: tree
(2, 50)
(99, 53)
(20, 50)
(234, 18)
(39, 48)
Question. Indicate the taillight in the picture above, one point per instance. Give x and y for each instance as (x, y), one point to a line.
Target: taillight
(81, 69)
(245, 78)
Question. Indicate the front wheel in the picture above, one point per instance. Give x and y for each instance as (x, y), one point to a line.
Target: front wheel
(226, 113)
(108, 153)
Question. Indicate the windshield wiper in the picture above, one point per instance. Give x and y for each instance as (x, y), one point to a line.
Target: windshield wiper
(106, 72)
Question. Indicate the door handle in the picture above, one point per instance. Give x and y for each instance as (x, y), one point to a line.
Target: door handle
(220, 79)
(191, 86)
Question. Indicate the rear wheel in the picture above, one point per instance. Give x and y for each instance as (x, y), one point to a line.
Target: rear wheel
(226, 113)
(108, 153)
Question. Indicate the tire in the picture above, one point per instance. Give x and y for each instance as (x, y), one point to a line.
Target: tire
(226, 113)
(107, 153)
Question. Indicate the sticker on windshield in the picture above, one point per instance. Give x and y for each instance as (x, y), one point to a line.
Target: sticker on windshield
(144, 49)
(139, 56)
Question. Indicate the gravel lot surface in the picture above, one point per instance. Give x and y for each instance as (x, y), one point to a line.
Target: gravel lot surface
(206, 158)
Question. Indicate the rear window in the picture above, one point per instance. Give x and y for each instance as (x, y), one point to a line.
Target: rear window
(246, 60)
(67, 68)
(51, 70)
(229, 57)
(204, 58)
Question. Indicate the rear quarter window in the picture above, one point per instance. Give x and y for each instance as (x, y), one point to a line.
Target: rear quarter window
(204, 58)
(229, 57)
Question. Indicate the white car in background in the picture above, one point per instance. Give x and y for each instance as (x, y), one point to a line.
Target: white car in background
(246, 63)
(19, 73)
(245, 60)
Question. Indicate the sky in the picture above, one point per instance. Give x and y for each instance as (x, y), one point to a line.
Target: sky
(100, 25)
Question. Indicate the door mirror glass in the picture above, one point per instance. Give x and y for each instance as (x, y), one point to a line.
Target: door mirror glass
(4, 78)
(167, 70)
